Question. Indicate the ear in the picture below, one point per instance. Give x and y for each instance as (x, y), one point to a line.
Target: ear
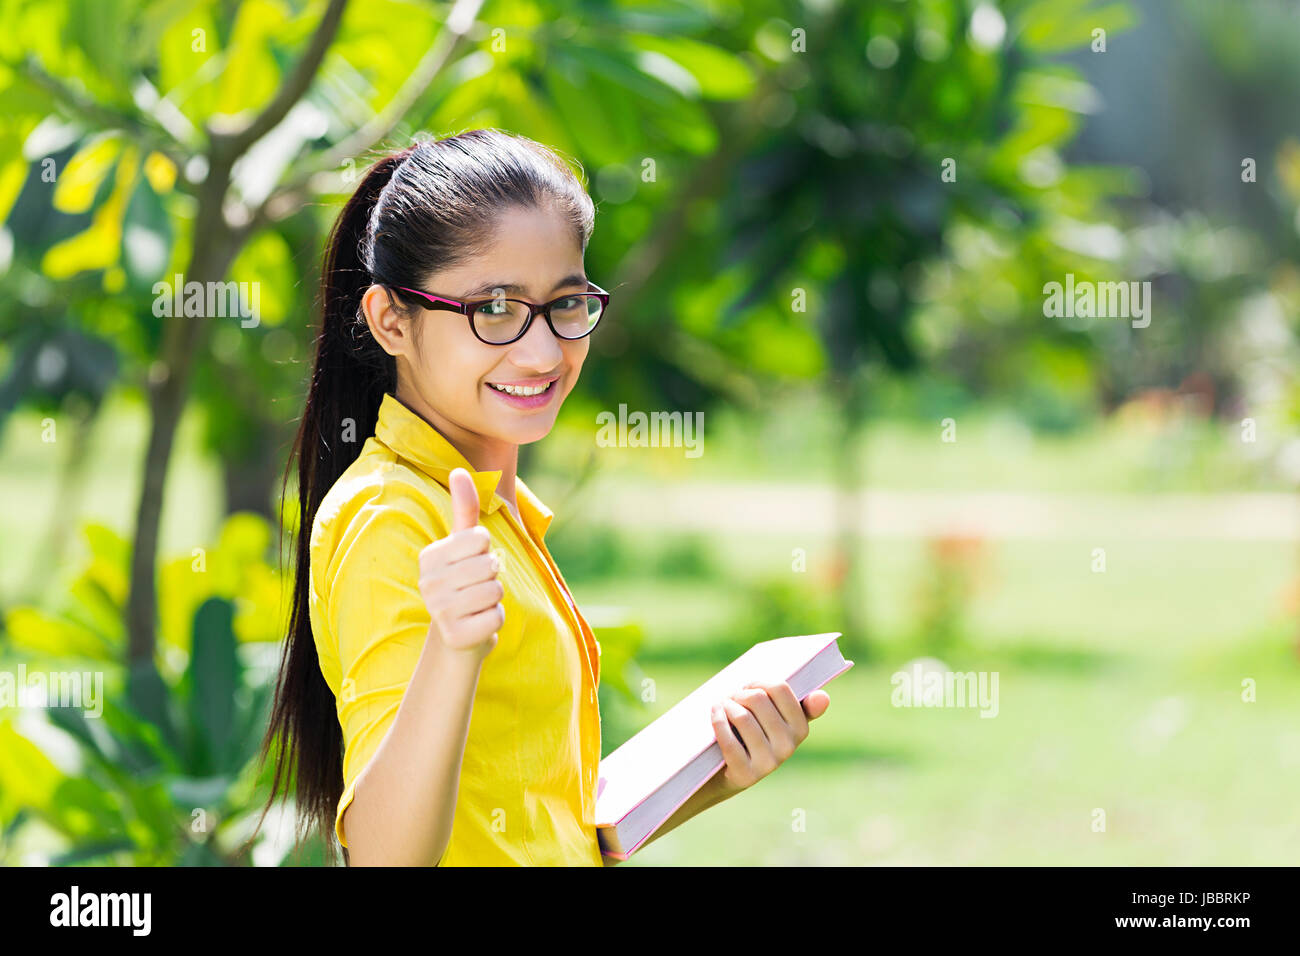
(391, 329)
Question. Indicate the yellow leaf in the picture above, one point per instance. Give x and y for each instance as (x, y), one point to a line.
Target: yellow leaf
(75, 189)
(1288, 166)
(12, 176)
(161, 172)
(33, 630)
(100, 246)
(27, 776)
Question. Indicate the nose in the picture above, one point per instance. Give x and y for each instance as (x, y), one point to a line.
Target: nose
(539, 350)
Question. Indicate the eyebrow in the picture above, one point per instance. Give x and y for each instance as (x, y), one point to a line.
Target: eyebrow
(514, 288)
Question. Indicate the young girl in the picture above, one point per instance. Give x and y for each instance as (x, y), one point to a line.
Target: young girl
(437, 695)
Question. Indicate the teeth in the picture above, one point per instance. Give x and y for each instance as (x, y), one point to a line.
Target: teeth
(521, 390)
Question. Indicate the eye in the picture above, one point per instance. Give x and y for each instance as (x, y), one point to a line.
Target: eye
(495, 307)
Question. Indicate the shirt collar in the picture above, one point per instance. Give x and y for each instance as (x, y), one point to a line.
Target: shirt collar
(417, 441)
(410, 436)
(537, 517)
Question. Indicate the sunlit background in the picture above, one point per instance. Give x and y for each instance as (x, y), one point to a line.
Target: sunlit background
(828, 228)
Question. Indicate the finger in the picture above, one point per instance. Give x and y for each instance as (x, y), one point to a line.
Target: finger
(476, 598)
(474, 570)
(779, 736)
(751, 734)
(436, 557)
(477, 627)
(732, 750)
(464, 500)
(787, 705)
(815, 704)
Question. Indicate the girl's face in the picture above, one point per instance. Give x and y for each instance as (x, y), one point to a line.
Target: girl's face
(450, 377)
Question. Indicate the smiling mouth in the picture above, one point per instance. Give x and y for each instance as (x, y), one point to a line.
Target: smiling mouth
(523, 391)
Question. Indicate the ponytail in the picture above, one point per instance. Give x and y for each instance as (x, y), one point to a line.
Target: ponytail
(348, 381)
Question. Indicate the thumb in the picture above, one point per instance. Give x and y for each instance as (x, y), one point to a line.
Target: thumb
(815, 704)
(464, 500)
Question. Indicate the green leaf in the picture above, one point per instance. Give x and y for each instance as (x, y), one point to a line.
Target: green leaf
(84, 853)
(250, 74)
(102, 30)
(185, 72)
(30, 629)
(253, 720)
(1051, 26)
(721, 74)
(198, 854)
(28, 778)
(207, 792)
(619, 639)
(146, 237)
(83, 810)
(268, 261)
(214, 676)
(151, 700)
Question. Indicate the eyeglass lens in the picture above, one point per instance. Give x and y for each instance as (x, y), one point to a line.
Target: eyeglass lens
(502, 319)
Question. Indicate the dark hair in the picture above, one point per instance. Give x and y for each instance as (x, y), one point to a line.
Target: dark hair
(422, 209)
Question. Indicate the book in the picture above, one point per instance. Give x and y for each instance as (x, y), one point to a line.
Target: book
(642, 783)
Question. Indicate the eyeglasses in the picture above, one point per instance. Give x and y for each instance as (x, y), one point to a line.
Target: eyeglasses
(502, 321)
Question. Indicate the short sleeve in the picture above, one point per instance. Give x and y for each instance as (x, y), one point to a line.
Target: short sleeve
(374, 608)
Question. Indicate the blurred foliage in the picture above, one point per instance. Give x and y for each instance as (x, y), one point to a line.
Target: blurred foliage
(784, 605)
(89, 620)
(953, 567)
(620, 636)
(166, 774)
(589, 553)
(685, 557)
(595, 552)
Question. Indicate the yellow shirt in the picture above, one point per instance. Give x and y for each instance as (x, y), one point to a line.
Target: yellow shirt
(527, 792)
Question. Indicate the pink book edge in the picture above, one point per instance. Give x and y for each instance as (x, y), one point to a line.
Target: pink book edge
(720, 764)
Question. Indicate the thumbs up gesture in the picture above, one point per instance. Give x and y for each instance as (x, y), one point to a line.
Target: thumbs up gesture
(458, 576)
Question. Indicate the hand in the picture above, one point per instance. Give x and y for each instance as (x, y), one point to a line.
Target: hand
(458, 576)
(771, 722)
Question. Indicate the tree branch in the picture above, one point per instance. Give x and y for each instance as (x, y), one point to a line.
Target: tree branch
(291, 89)
(382, 124)
(290, 196)
(103, 117)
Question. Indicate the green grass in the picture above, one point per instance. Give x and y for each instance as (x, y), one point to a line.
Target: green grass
(1183, 769)
(1119, 691)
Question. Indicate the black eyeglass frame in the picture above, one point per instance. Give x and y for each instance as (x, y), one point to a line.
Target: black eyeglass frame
(440, 303)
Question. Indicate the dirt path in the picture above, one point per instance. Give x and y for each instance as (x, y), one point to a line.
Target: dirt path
(781, 508)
